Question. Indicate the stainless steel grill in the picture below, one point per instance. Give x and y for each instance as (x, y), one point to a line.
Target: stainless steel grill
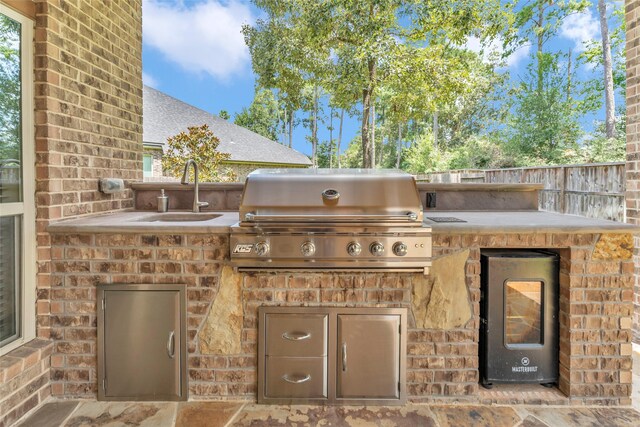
(330, 219)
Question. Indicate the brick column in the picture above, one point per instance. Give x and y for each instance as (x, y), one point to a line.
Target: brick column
(632, 15)
(88, 117)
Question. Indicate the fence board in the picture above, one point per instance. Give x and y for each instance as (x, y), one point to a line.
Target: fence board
(591, 190)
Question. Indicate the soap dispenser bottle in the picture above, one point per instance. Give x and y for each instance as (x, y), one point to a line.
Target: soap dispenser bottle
(163, 202)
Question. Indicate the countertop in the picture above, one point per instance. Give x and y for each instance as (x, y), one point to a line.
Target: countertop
(483, 222)
(145, 221)
(479, 222)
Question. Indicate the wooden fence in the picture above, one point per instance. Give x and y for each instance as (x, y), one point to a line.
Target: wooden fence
(591, 190)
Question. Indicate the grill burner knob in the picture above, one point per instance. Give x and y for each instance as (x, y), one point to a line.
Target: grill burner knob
(262, 248)
(354, 248)
(400, 249)
(376, 249)
(308, 248)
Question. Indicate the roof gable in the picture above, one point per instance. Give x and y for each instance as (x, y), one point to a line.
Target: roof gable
(164, 116)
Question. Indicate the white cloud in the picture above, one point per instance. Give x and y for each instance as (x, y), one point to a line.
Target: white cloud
(202, 38)
(149, 80)
(493, 51)
(580, 28)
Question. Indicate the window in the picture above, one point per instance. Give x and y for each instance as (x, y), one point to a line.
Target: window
(17, 182)
(147, 165)
(523, 321)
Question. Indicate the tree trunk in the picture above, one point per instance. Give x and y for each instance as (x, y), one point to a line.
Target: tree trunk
(399, 152)
(285, 121)
(367, 94)
(373, 134)
(314, 132)
(569, 78)
(610, 106)
(435, 130)
(331, 138)
(340, 135)
(540, 25)
(291, 129)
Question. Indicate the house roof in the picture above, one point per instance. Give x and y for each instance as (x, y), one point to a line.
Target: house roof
(164, 116)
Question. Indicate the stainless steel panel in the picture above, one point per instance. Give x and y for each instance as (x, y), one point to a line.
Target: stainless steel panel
(369, 356)
(285, 250)
(300, 335)
(296, 377)
(142, 342)
(358, 192)
(334, 356)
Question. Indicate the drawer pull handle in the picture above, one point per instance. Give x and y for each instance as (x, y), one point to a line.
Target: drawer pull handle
(171, 345)
(298, 380)
(344, 357)
(296, 336)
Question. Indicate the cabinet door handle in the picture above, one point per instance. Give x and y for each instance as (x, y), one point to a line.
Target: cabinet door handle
(344, 357)
(296, 336)
(298, 380)
(171, 345)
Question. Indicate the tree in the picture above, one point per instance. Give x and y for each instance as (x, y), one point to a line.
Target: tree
(610, 106)
(200, 144)
(262, 116)
(543, 125)
(224, 114)
(360, 41)
(10, 119)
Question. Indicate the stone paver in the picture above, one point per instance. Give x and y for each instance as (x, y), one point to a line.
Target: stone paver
(242, 414)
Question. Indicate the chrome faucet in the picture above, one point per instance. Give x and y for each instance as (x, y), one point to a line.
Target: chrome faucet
(185, 180)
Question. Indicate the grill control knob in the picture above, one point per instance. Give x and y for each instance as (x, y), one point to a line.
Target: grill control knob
(399, 249)
(262, 248)
(354, 248)
(376, 249)
(308, 248)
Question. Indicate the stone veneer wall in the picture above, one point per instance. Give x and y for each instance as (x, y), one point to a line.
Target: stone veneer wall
(595, 310)
(632, 15)
(88, 118)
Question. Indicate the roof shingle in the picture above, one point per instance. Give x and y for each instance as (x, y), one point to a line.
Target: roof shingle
(165, 116)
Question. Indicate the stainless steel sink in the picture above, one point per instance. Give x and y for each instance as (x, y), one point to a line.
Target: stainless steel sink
(179, 217)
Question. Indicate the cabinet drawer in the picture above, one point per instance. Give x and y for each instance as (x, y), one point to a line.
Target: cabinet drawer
(296, 335)
(296, 377)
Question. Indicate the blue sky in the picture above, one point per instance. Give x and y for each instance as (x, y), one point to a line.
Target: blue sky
(193, 50)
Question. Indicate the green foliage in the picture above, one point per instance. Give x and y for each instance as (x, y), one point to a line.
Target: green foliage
(544, 125)
(353, 48)
(599, 148)
(327, 156)
(10, 87)
(352, 156)
(200, 144)
(262, 116)
(224, 114)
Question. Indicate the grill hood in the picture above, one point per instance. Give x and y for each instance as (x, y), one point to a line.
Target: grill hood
(381, 197)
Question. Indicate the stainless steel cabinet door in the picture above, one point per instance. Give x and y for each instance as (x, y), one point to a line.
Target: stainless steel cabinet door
(142, 340)
(368, 356)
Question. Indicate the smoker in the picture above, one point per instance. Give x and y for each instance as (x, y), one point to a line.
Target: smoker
(519, 317)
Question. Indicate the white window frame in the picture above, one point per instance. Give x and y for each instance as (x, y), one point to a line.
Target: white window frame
(26, 208)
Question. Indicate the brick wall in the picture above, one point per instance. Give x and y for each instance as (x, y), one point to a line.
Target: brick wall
(88, 101)
(595, 312)
(632, 15)
(24, 379)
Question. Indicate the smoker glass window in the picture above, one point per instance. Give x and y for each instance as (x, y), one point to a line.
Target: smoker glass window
(523, 312)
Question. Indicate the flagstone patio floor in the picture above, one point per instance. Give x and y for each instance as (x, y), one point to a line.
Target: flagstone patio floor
(219, 414)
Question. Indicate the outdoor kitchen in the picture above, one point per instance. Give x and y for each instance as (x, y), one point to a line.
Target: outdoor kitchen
(270, 296)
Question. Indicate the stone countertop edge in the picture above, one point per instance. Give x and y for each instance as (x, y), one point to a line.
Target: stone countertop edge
(133, 222)
(510, 222)
(478, 222)
(480, 186)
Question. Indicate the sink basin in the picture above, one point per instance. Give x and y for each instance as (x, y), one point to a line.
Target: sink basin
(180, 217)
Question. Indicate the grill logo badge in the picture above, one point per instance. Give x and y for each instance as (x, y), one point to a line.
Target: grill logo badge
(243, 248)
